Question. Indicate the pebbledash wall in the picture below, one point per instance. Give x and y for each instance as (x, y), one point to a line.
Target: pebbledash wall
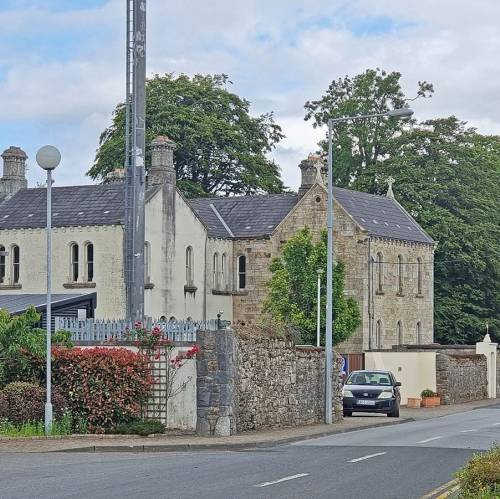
(250, 382)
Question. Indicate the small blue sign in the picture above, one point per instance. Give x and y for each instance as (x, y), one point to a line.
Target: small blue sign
(345, 365)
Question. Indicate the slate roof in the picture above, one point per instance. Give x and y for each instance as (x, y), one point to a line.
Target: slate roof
(258, 216)
(73, 206)
(246, 216)
(19, 303)
(381, 216)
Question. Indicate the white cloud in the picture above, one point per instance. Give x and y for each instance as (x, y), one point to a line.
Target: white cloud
(303, 45)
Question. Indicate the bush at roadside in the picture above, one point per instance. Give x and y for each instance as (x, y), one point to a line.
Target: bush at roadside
(480, 477)
(22, 402)
(104, 386)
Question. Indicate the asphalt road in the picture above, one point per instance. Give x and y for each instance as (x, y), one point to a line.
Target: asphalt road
(402, 461)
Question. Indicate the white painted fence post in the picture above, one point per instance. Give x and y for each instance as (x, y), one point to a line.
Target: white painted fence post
(489, 350)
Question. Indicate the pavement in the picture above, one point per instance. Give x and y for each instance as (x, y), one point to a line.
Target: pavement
(184, 442)
(405, 461)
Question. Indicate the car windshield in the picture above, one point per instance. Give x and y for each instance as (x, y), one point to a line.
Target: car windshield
(368, 378)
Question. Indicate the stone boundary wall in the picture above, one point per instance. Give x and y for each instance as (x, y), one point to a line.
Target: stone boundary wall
(461, 377)
(281, 385)
(249, 383)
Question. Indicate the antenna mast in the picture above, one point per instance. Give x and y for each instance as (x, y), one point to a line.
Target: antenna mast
(135, 128)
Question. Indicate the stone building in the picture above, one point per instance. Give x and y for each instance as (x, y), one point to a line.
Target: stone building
(210, 255)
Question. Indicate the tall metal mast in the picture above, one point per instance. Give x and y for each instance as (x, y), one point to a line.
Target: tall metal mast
(134, 158)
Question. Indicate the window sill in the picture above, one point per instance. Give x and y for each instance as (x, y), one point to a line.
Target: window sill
(240, 292)
(380, 293)
(79, 285)
(149, 285)
(401, 295)
(419, 295)
(190, 288)
(221, 292)
(11, 286)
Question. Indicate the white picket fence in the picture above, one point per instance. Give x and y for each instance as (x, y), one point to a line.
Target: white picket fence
(118, 330)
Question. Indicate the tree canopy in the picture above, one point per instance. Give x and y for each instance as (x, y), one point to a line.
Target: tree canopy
(292, 298)
(220, 148)
(447, 177)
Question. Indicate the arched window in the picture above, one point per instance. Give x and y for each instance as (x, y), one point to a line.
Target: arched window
(74, 262)
(242, 272)
(147, 262)
(419, 276)
(380, 272)
(16, 264)
(378, 334)
(2, 264)
(399, 332)
(223, 271)
(189, 266)
(419, 333)
(89, 262)
(400, 274)
(215, 271)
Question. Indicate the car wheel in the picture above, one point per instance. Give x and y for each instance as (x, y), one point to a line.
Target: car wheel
(394, 413)
(347, 414)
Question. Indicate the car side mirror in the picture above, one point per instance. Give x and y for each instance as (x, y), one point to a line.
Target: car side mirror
(398, 383)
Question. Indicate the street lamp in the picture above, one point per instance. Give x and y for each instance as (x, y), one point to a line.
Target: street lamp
(394, 113)
(48, 157)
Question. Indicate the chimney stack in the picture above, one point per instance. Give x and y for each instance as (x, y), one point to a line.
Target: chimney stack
(14, 171)
(162, 171)
(311, 169)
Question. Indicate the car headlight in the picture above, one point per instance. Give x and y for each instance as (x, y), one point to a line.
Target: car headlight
(347, 393)
(385, 394)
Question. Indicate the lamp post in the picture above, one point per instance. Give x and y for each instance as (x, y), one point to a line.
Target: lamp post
(395, 113)
(48, 157)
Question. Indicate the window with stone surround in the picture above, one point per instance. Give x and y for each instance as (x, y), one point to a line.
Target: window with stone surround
(189, 266)
(74, 253)
(89, 262)
(419, 333)
(2, 264)
(242, 272)
(399, 333)
(16, 264)
(419, 276)
(400, 274)
(147, 262)
(224, 271)
(215, 271)
(378, 334)
(380, 273)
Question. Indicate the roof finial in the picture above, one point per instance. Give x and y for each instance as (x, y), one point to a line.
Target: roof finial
(390, 180)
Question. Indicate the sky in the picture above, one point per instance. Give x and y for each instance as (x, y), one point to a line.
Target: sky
(62, 63)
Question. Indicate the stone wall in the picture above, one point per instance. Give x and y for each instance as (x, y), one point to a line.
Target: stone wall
(281, 385)
(461, 377)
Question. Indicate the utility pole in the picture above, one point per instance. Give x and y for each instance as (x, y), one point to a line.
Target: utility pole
(134, 158)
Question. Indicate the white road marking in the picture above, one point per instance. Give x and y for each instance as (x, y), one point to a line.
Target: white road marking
(367, 457)
(428, 440)
(466, 431)
(292, 477)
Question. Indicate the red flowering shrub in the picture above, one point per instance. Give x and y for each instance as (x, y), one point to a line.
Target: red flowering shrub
(106, 386)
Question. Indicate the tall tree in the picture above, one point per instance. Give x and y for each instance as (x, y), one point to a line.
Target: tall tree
(292, 298)
(221, 149)
(360, 144)
(448, 178)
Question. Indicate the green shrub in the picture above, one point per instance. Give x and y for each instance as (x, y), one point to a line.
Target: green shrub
(22, 402)
(427, 393)
(105, 386)
(35, 429)
(143, 427)
(480, 477)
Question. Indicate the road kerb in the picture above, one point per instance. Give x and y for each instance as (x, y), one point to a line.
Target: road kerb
(443, 491)
(226, 446)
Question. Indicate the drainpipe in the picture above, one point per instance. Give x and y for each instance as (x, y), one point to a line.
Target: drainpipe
(205, 282)
(370, 297)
